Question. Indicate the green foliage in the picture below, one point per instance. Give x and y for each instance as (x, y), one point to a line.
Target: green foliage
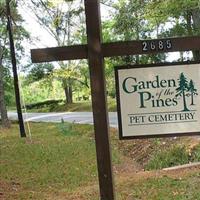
(64, 22)
(41, 91)
(61, 106)
(51, 103)
(112, 106)
(168, 158)
(9, 88)
(195, 154)
(181, 13)
(19, 34)
(129, 20)
(39, 72)
(177, 155)
(128, 23)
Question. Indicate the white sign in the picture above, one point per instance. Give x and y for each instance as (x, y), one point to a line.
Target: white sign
(158, 100)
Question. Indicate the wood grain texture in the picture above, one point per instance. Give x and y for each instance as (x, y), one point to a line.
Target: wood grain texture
(99, 104)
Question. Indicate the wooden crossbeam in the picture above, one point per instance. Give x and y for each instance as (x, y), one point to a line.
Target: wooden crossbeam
(113, 49)
(59, 53)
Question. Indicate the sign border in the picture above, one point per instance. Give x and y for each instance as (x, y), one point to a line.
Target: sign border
(117, 68)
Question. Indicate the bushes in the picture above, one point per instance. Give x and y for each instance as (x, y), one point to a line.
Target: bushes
(195, 154)
(44, 104)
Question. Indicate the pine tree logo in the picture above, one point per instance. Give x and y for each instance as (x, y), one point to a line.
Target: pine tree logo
(192, 91)
(185, 90)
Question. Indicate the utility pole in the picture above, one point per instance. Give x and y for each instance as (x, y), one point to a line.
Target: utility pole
(14, 65)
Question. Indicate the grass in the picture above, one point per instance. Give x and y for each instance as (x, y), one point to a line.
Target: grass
(54, 159)
(51, 159)
(176, 155)
(60, 163)
(175, 186)
(163, 188)
(195, 154)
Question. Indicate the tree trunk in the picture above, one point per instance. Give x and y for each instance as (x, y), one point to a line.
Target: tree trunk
(196, 19)
(3, 111)
(68, 94)
(189, 23)
(196, 24)
(67, 82)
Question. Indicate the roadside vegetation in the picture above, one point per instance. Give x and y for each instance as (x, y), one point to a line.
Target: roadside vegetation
(176, 155)
(60, 160)
(61, 106)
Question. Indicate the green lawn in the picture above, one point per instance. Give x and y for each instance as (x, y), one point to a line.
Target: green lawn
(51, 160)
(163, 188)
(60, 163)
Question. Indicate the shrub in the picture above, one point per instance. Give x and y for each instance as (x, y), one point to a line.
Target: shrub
(178, 155)
(195, 154)
(51, 103)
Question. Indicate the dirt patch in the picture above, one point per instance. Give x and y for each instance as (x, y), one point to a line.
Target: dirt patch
(9, 190)
(176, 173)
(141, 151)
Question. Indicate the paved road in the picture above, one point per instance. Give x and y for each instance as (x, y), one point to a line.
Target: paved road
(76, 117)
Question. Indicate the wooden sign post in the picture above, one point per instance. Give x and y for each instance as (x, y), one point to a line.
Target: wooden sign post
(98, 90)
(95, 51)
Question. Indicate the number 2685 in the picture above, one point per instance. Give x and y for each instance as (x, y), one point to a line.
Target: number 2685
(156, 45)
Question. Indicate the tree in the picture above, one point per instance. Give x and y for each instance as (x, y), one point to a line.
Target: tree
(62, 20)
(3, 111)
(181, 17)
(129, 23)
(5, 61)
(195, 13)
(38, 72)
(182, 89)
(192, 90)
